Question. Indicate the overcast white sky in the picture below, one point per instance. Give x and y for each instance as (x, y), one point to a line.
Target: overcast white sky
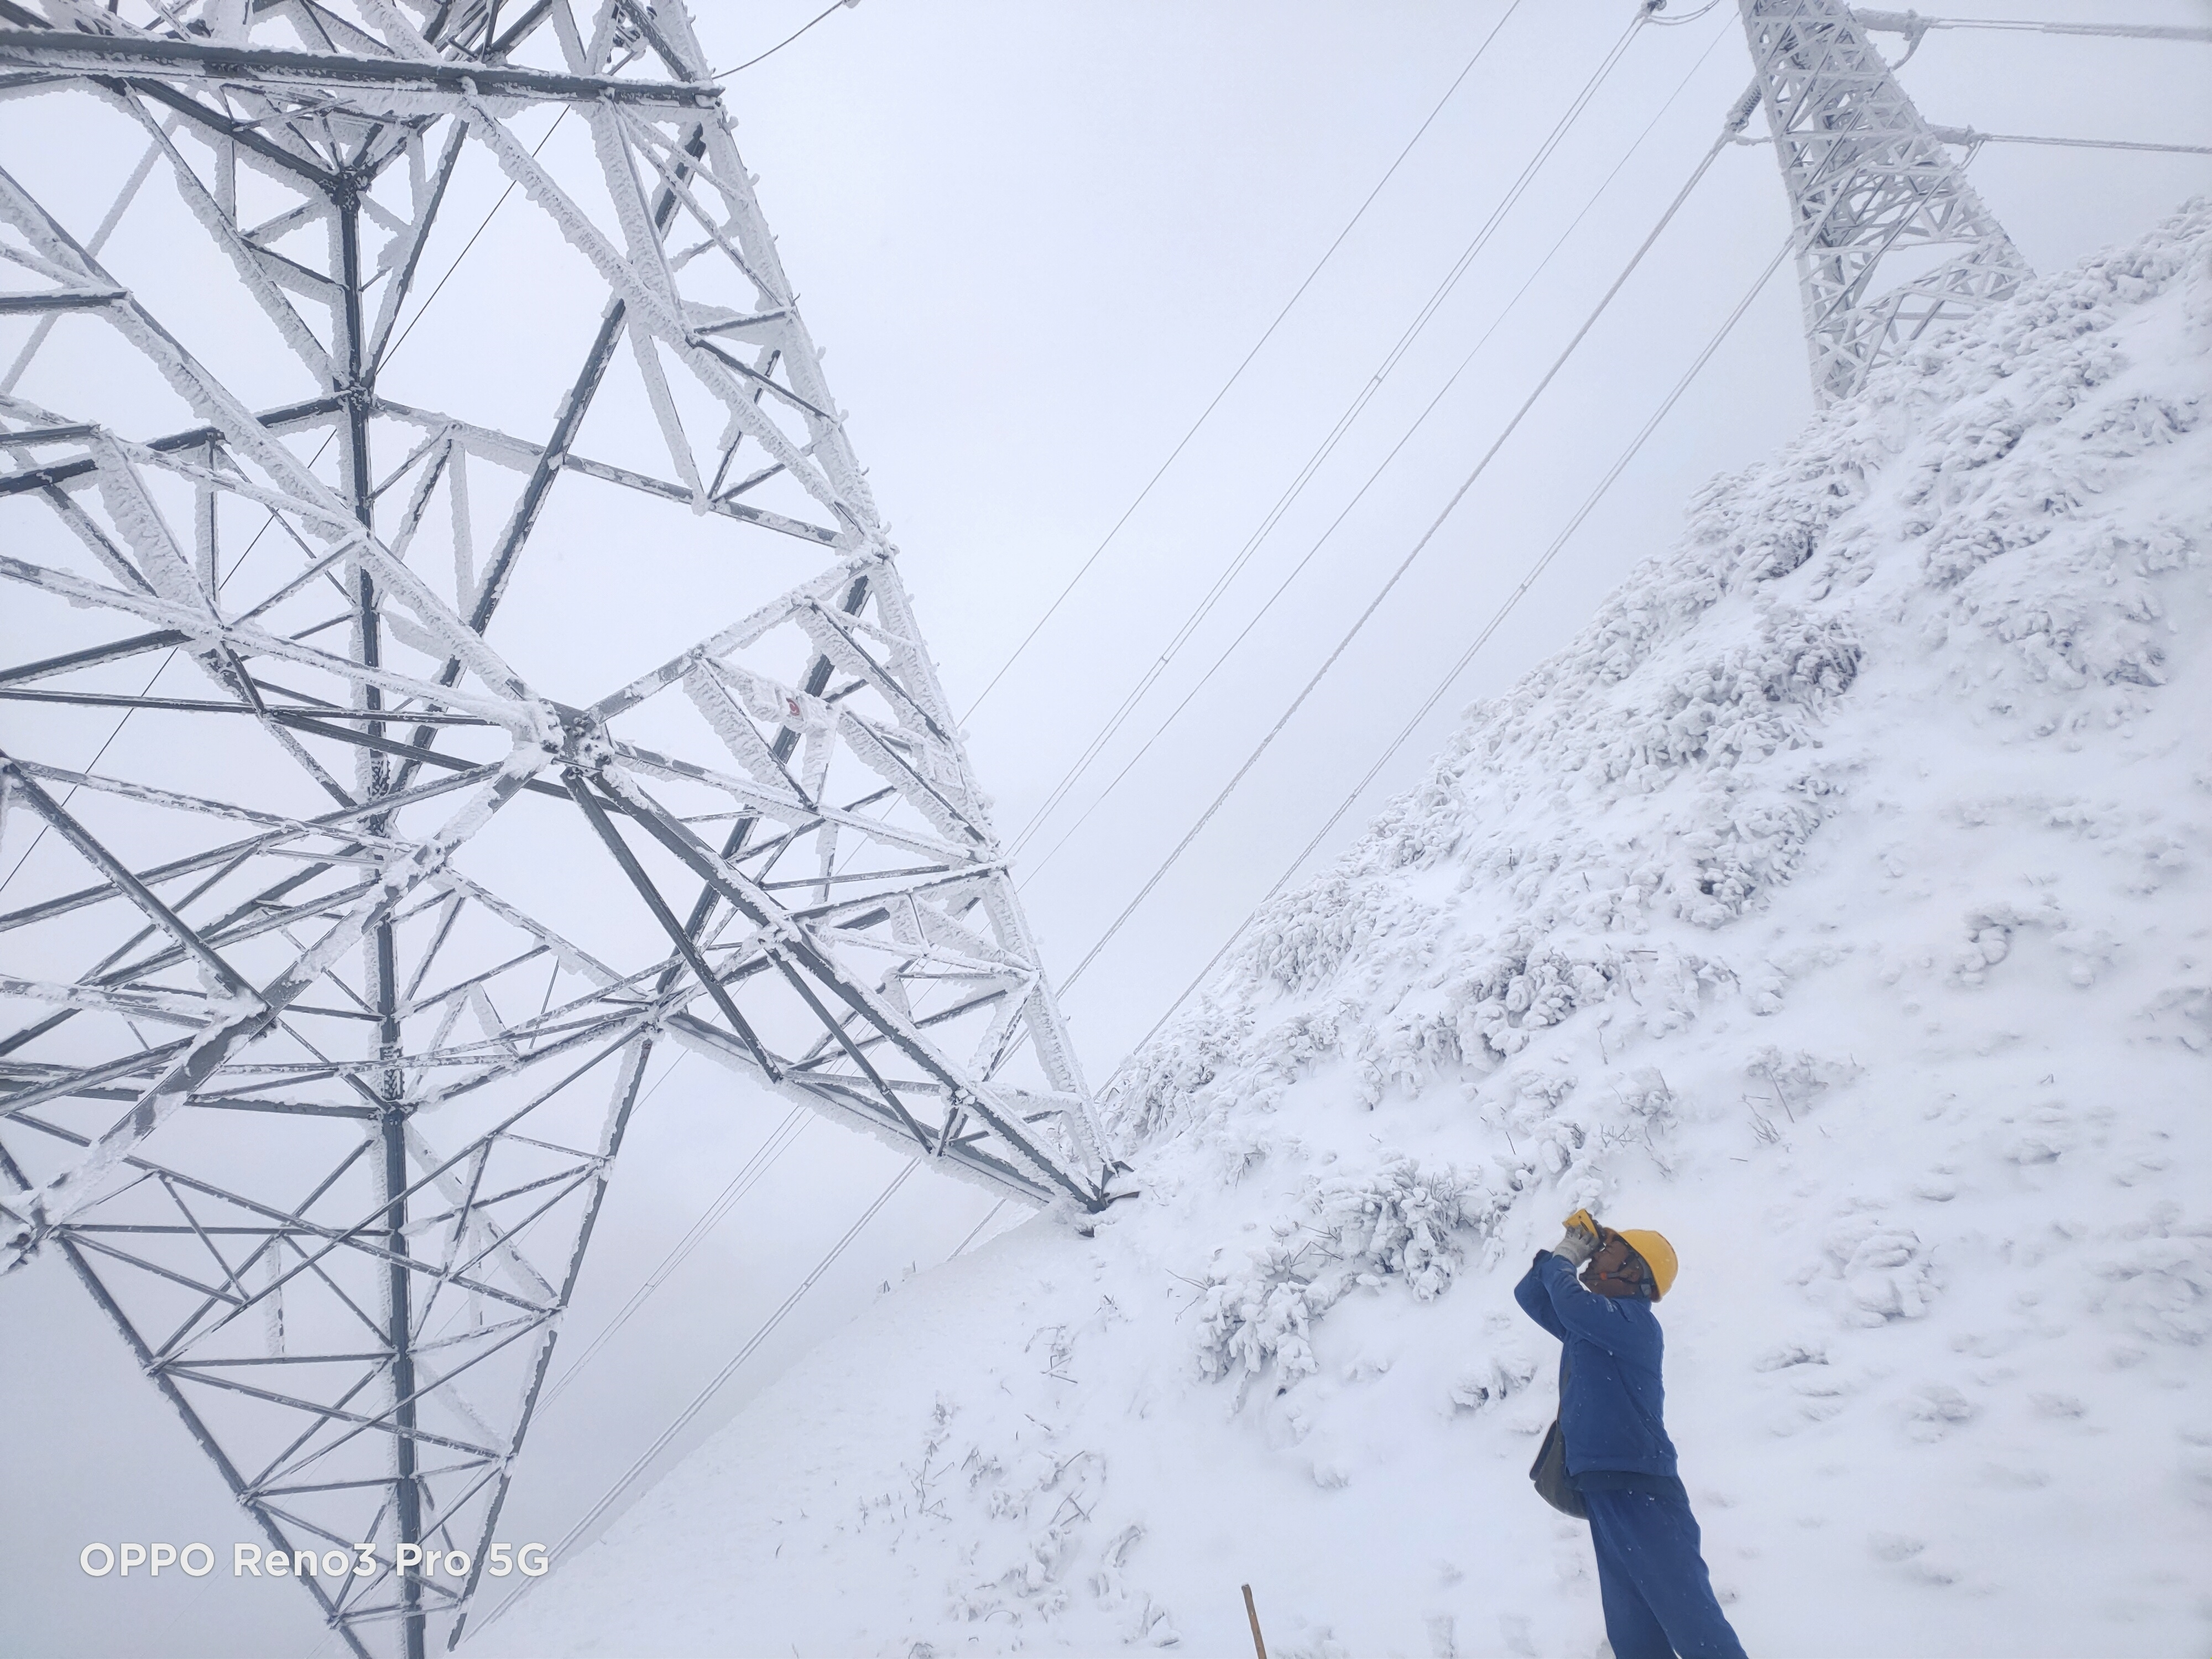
(1036, 241)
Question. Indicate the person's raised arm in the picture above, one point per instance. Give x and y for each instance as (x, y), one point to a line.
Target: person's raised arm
(1603, 1320)
(1536, 1301)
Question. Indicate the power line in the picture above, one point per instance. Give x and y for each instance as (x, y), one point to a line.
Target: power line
(392, 350)
(976, 1232)
(1537, 569)
(1427, 535)
(756, 1168)
(607, 1500)
(1088, 758)
(1467, 656)
(834, 6)
(1328, 447)
(1297, 570)
(722, 1376)
(1237, 374)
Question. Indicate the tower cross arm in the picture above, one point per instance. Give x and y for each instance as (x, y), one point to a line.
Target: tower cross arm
(68, 52)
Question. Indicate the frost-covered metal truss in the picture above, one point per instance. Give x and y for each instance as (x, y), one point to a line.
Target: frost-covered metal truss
(1891, 239)
(376, 810)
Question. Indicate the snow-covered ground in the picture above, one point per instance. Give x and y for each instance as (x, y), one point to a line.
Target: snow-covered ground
(1838, 903)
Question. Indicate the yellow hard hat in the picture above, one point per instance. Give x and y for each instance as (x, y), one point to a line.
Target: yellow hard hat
(1658, 1255)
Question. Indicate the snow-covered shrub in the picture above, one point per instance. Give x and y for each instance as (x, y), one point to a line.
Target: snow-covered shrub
(1400, 1225)
(1935, 1409)
(1796, 1077)
(1481, 1386)
(1160, 1086)
(1871, 1273)
(2160, 1286)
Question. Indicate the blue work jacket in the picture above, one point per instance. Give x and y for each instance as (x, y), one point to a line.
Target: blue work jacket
(1611, 1400)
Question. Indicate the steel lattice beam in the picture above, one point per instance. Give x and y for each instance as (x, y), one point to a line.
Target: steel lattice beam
(1892, 240)
(329, 993)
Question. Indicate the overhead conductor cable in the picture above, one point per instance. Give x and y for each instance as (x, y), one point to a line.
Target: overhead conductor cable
(1737, 116)
(1336, 434)
(1528, 580)
(1373, 479)
(629, 1476)
(1237, 374)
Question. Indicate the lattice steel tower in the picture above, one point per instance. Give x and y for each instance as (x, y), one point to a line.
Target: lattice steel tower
(1891, 239)
(330, 984)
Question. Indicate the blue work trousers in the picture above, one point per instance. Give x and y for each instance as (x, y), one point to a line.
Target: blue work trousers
(1658, 1596)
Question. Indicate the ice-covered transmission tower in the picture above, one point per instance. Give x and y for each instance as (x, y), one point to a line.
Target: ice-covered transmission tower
(1891, 239)
(411, 737)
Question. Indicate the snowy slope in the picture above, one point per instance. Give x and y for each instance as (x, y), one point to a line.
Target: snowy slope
(1838, 905)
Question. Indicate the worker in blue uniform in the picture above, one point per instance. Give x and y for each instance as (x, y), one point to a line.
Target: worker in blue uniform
(1658, 1595)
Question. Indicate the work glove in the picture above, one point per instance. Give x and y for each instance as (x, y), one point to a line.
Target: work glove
(1579, 1242)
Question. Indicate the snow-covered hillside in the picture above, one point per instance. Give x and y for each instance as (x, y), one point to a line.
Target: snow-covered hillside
(1840, 903)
